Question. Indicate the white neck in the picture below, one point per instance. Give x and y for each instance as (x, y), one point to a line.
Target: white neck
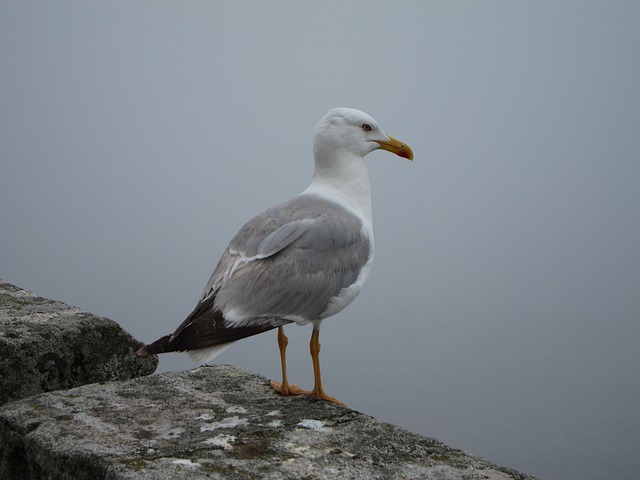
(344, 181)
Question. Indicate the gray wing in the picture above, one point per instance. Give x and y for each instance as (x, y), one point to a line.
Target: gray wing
(290, 261)
(284, 265)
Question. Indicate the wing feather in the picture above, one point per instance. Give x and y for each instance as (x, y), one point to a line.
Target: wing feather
(293, 267)
(285, 265)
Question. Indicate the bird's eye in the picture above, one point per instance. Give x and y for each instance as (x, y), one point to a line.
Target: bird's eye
(366, 127)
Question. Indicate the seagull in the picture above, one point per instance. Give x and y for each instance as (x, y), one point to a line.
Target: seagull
(301, 261)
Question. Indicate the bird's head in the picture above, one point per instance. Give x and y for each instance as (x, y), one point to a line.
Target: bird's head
(356, 133)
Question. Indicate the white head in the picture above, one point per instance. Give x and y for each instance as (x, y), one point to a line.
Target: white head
(345, 132)
(342, 138)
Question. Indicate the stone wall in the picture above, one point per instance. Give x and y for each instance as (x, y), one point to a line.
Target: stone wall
(212, 422)
(47, 345)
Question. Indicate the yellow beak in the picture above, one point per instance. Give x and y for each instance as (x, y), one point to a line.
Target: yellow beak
(397, 147)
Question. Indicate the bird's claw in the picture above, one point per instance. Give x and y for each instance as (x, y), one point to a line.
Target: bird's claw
(288, 389)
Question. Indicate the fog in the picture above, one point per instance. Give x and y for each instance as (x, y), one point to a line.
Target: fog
(502, 312)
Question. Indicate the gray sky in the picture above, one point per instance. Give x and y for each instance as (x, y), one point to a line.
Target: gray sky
(502, 312)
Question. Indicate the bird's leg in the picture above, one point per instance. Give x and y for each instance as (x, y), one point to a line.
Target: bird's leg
(318, 392)
(284, 388)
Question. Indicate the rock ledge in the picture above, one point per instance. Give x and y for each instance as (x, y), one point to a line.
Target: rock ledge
(214, 422)
(47, 345)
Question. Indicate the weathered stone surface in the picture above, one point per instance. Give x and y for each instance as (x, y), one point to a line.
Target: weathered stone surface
(216, 422)
(47, 345)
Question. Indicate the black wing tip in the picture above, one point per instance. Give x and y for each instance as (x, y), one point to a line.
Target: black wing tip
(143, 352)
(159, 346)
